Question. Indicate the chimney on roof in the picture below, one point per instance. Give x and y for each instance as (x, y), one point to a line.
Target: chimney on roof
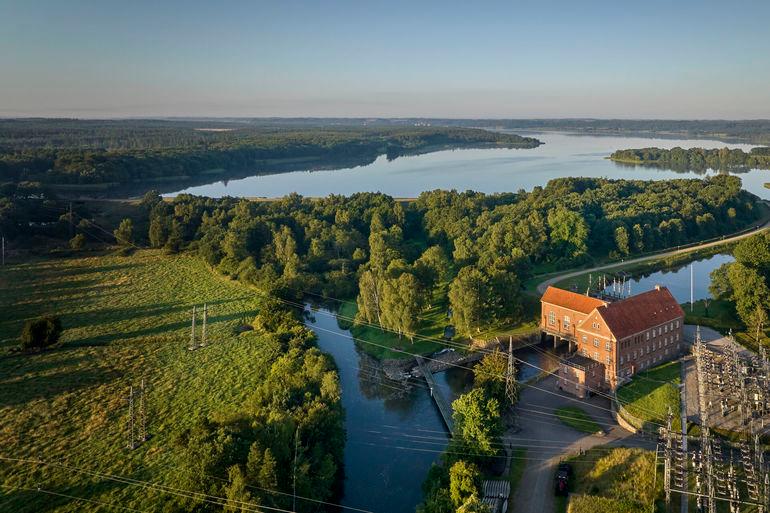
(657, 287)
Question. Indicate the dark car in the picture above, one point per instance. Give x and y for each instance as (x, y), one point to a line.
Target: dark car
(563, 473)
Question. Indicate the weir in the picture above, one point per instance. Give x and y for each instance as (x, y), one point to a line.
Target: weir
(438, 397)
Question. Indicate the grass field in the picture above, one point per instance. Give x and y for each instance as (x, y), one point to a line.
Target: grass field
(720, 315)
(576, 418)
(651, 393)
(617, 480)
(125, 318)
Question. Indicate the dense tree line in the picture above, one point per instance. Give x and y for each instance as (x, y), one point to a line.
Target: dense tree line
(100, 155)
(696, 158)
(393, 256)
(746, 281)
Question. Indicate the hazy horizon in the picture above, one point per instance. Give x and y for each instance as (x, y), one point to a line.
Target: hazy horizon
(497, 60)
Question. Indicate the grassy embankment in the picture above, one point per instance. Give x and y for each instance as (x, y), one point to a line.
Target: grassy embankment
(125, 318)
(578, 419)
(617, 480)
(651, 393)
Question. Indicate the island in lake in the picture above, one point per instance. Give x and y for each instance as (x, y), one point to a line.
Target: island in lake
(695, 158)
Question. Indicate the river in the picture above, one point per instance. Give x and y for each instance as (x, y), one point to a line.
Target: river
(485, 170)
(394, 432)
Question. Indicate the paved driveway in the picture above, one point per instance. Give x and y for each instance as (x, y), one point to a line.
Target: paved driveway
(548, 440)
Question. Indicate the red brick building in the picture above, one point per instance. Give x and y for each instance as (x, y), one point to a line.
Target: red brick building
(624, 336)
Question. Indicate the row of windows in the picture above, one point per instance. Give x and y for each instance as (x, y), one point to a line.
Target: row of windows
(661, 343)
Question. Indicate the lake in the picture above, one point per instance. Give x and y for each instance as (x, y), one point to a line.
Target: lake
(677, 279)
(486, 170)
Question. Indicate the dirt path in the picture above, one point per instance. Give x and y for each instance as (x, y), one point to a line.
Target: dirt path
(550, 281)
(547, 441)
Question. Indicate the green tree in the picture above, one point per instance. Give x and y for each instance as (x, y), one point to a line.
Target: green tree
(238, 497)
(369, 301)
(569, 232)
(750, 291)
(464, 482)
(41, 333)
(477, 421)
(124, 233)
(401, 303)
(78, 242)
(489, 374)
(468, 298)
(473, 505)
(157, 232)
(622, 240)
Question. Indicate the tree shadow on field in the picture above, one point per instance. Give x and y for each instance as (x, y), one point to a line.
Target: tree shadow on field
(50, 386)
(21, 364)
(96, 317)
(34, 501)
(101, 340)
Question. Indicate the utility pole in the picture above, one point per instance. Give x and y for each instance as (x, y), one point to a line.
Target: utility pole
(692, 293)
(130, 425)
(3, 250)
(192, 332)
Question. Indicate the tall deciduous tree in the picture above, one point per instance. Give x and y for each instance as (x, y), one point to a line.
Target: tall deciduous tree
(569, 232)
(468, 298)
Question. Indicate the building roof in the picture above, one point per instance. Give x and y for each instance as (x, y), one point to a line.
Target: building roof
(571, 300)
(580, 362)
(640, 312)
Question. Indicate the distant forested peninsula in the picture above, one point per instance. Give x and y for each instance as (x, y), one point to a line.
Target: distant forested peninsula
(102, 155)
(695, 158)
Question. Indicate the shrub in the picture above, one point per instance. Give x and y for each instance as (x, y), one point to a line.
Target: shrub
(41, 333)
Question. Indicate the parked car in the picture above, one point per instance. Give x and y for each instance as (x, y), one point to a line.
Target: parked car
(563, 474)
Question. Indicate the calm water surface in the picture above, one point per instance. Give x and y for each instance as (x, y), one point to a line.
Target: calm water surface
(394, 434)
(487, 170)
(677, 279)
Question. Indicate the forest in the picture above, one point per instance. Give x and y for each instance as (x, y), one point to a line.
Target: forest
(680, 159)
(112, 153)
(392, 256)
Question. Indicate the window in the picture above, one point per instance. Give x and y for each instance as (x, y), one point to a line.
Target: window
(621, 360)
(677, 337)
(584, 351)
(634, 355)
(551, 318)
(596, 342)
(677, 324)
(596, 356)
(607, 360)
(585, 339)
(566, 322)
(648, 335)
(608, 346)
(665, 328)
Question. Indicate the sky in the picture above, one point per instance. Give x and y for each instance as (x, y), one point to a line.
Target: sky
(510, 59)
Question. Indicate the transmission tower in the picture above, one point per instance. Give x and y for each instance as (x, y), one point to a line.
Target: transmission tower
(511, 388)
